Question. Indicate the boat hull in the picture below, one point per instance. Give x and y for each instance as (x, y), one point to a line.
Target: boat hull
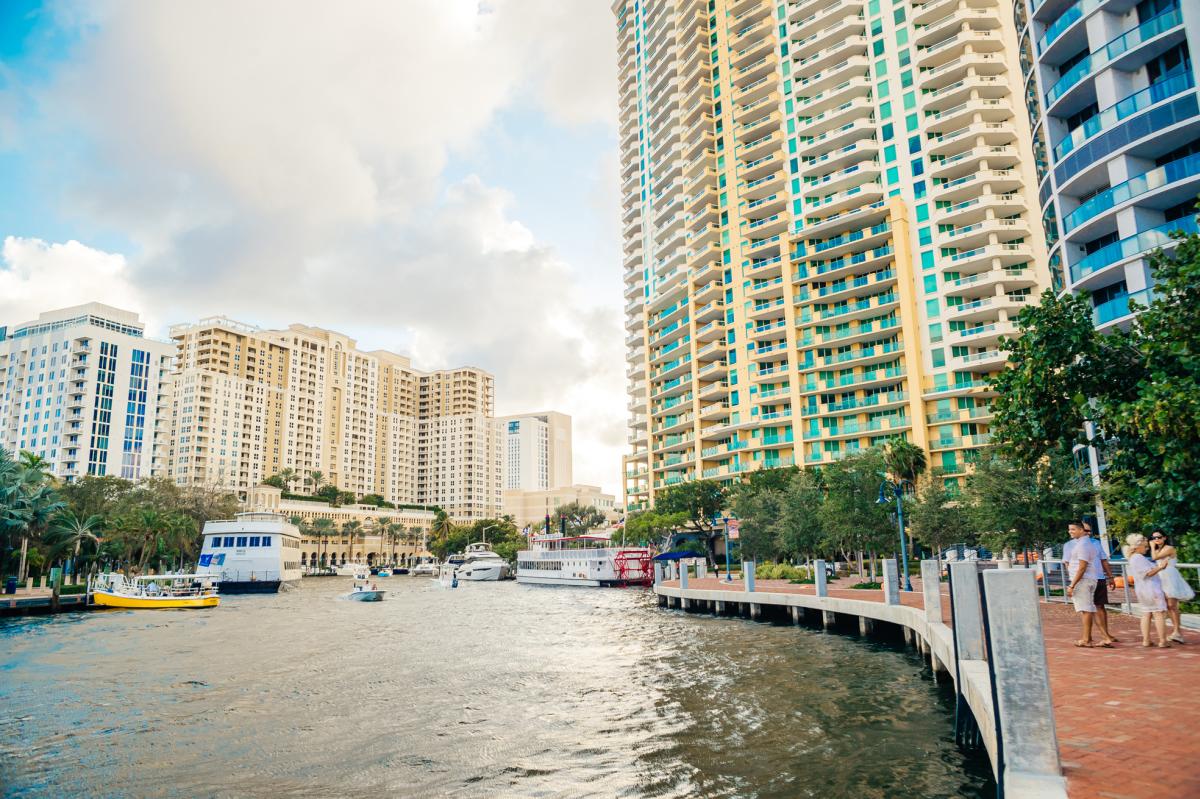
(532, 580)
(365, 596)
(251, 586)
(111, 600)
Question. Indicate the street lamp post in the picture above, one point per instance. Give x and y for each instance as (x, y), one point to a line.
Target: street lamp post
(897, 489)
(725, 521)
(489, 527)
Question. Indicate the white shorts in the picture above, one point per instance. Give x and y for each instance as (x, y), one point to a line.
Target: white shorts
(1083, 597)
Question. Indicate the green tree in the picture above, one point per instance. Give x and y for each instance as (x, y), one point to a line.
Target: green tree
(1022, 508)
(700, 502)
(853, 521)
(937, 516)
(579, 518)
(288, 476)
(904, 460)
(71, 533)
(324, 529)
(315, 480)
(801, 532)
(760, 512)
(275, 480)
(651, 528)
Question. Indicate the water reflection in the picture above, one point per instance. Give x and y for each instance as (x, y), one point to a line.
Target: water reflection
(489, 690)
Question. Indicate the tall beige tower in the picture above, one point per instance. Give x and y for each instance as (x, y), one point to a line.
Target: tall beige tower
(827, 219)
(249, 403)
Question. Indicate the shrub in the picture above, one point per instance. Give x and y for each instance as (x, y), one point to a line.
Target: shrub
(867, 585)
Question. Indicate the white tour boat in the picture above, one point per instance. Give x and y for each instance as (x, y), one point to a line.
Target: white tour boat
(252, 553)
(427, 566)
(358, 571)
(481, 563)
(583, 560)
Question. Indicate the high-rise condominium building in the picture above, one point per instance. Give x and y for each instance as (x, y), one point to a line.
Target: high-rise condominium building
(251, 403)
(85, 390)
(1111, 88)
(537, 451)
(830, 218)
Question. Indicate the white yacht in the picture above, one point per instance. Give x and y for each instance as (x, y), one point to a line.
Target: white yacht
(252, 553)
(481, 563)
(359, 571)
(426, 566)
(583, 560)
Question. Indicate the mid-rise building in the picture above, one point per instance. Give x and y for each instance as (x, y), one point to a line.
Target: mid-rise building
(537, 451)
(530, 508)
(84, 389)
(830, 217)
(250, 403)
(1111, 90)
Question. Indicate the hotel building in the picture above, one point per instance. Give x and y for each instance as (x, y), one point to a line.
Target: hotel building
(537, 451)
(249, 403)
(830, 216)
(83, 388)
(1111, 90)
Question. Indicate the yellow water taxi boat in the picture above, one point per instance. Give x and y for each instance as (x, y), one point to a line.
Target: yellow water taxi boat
(156, 591)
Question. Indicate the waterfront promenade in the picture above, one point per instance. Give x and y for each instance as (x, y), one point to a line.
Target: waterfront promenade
(1125, 718)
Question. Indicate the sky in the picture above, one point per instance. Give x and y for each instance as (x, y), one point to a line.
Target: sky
(437, 178)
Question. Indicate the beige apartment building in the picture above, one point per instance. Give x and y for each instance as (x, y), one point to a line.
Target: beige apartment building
(249, 403)
(829, 219)
(532, 507)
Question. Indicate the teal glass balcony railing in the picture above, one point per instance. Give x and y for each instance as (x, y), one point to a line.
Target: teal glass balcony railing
(1137, 244)
(1068, 18)
(1179, 169)
(1122, 305)
(1138, 101)
(1117, 47)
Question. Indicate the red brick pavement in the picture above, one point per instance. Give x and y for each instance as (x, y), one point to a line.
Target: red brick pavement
(1128, 718)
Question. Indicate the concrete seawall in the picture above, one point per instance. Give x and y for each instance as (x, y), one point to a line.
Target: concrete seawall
(1020, 739)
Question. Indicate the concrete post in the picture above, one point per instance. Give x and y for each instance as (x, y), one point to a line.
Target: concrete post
(819, 578)
(865, 625)
(795, 614)
(683, 575)
(755, 610)
(968, 618)
(701, 570)
(748, 575)
(1018, 652)
(720, 607)
(658, 572)
(828, 619)
(891, 582)
(931, 589)
(1004, 564)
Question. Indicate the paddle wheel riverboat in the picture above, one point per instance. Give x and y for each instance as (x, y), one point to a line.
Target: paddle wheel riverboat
(591, 560)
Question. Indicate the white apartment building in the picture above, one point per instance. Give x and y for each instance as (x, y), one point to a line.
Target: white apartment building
(537, 451)
(83, 388)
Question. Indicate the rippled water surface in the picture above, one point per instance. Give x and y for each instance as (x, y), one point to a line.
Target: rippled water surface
(489, 690)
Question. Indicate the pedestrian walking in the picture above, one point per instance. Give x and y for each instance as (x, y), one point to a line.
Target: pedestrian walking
(1082, 566)
(1174, 586)
(1148, 588)
(1104, 582)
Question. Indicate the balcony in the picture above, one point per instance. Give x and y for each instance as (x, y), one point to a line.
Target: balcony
(985, 308)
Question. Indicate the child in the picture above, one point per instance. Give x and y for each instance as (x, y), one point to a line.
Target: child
(1149, 590)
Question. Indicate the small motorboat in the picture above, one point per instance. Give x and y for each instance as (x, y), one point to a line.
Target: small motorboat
(384, 572)
(428, 567)
(156, 591)
(447, 576)
(358, 571)
(400, 570)
(365, 592)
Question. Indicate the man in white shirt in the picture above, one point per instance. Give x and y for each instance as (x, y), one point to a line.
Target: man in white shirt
(1079, 557)
(1104, 583)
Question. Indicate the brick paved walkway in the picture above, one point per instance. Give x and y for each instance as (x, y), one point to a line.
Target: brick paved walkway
(1128, 718)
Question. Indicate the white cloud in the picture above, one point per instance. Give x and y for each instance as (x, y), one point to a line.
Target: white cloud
(282, 161)
(36, 276)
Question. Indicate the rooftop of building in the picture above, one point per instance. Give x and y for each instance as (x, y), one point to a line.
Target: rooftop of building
(92, 313)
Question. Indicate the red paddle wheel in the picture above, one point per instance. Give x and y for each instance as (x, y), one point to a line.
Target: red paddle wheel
(633, 567)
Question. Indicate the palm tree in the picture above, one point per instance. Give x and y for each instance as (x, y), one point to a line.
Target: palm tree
(36, 503)
(288, 476)
(71, 531)
(351, 530)
(382, 525)
(316, 479)
(904, 459)
(323, 529)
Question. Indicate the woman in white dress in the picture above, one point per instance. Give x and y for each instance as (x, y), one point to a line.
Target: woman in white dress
(1148, 588)
(1174, 586)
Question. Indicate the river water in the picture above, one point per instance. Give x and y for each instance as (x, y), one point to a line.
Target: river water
(488, 690)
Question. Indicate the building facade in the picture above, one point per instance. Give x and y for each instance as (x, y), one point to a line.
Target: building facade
(250, 403)
(537, 451)
(83, 388)
(530, 508)
(830, 217)
(1111, 91)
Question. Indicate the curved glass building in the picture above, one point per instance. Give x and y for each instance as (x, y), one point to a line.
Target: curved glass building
(1110, 86)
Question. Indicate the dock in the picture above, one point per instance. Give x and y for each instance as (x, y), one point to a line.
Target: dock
(1056, 720)
(30, 602)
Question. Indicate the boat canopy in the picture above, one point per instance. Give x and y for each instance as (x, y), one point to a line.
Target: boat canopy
(677, 555)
